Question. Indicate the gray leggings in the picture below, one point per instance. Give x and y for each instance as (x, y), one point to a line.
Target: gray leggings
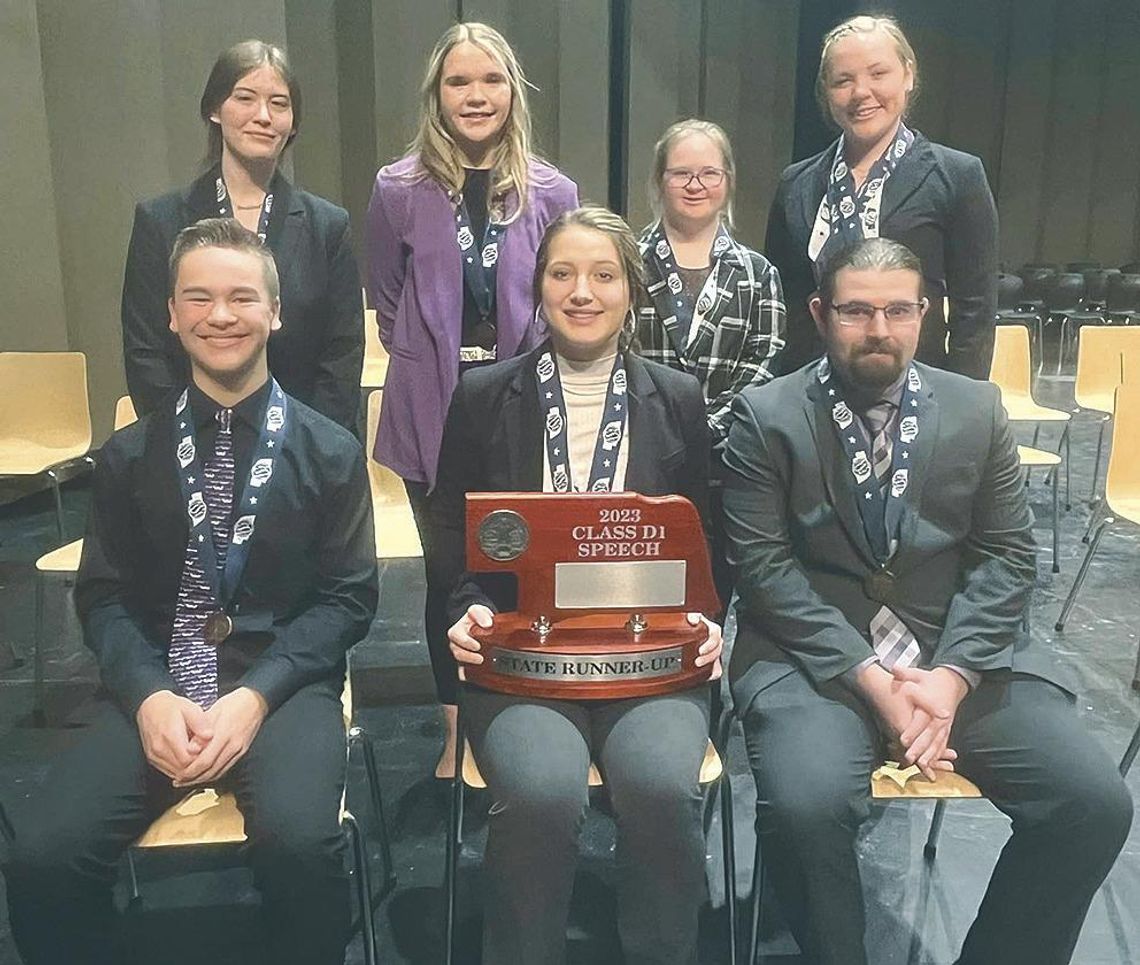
(534, 755)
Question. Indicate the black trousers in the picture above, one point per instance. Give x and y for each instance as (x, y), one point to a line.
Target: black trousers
(443, 666)
(101, 794)
(534, 755)
(1018, 739)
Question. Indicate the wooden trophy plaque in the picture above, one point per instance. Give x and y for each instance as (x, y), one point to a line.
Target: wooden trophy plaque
(605, 581)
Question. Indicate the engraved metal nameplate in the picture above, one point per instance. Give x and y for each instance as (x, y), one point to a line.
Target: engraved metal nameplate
(630, 584)
(568, 667)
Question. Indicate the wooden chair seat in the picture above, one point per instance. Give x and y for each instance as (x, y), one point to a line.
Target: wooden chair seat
(375, 369)
(711, 768)
(65, 559)
(947, 784)
(1028, 456)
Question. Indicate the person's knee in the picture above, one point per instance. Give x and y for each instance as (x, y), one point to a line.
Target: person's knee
(808, 804)
(1097, 809)
(540, 797)
(298, 845)
(658, 791)
(44, 857)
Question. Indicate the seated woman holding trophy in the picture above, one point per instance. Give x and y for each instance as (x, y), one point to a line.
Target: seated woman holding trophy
(580, 414)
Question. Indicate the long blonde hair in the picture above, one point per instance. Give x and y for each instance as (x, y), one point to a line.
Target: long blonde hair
(440, 157)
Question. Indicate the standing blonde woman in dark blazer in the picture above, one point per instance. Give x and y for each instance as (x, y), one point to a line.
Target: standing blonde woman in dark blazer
(881, 179)
(453, 228)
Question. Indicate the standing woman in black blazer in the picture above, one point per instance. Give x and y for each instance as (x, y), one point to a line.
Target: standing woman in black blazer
(535, 753)
(881, 179)
(252, 110)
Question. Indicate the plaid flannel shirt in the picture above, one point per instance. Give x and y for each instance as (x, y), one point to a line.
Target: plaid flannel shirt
(736, 339)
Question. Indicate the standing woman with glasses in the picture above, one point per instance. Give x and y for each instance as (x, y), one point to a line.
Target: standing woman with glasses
(882, 179)
(716, 309)
(453, 228)
(252, 110)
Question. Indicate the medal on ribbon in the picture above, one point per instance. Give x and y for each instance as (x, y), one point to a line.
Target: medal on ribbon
(224, 583)
(611, 429)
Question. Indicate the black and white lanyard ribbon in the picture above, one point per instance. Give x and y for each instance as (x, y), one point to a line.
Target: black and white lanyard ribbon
(191, 478)
(681, 307)
(847, 214)
(225, 208)
(480, 265)
(881, 522)
(611, 430)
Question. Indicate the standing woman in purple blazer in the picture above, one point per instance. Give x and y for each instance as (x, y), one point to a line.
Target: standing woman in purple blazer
(453, 229)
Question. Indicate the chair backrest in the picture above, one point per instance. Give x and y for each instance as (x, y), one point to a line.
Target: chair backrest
(1123, 294)
(124, 412)
(1099, 354)
(1123, 478)
(1064, 292)
(1081, 266)
(1096, 284)
(1011, 369)
(1010, 288)
(1036, 279)
(43, 399)
(1132, 268)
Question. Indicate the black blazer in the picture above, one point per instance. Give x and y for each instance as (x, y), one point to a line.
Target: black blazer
(309, 588)
(317, 353)
(937, 203)
(493, 442)
(965, 564)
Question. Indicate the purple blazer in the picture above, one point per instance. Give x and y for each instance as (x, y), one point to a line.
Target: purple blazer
(415, 281)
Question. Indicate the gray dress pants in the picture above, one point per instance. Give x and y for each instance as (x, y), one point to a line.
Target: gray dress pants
(534, 755)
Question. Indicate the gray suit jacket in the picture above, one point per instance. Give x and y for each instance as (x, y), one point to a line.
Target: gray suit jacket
(965, 564)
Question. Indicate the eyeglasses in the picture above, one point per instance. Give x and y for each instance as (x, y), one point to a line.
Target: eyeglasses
(681, 178)
(895, 313)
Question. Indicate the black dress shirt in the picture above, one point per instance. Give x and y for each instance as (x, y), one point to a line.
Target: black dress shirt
(309, 588)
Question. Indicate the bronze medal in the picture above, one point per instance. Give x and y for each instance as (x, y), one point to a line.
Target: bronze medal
(218, 627)
(880, 586)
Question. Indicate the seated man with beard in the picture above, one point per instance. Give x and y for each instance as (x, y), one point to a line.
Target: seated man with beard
(878, 527)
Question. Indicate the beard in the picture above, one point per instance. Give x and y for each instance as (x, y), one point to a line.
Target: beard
(875, 364)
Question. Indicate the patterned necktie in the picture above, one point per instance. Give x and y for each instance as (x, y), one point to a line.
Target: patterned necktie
(879, 421)
(891, 638)
(193, 662)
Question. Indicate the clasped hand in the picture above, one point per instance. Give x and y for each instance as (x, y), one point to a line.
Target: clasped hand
(465, 648)
(918, 709)
(195, 746)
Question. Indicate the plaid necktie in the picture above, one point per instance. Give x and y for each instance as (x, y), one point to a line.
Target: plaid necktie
(880, 421)
(193, 662)
(891, 638)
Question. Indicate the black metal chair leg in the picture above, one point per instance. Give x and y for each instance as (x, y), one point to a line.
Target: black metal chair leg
(1094, 518)
(757, 899)
(1081, 573)
(363, 887)
(1096, 462)
(54, 477)
(728, 845)
(1067, 439)
(454, 839)
(1130, 752)
(361, 737)
(39, 716)
(1056, 536)
(7, 832)
(930, 849)
(133, 873)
